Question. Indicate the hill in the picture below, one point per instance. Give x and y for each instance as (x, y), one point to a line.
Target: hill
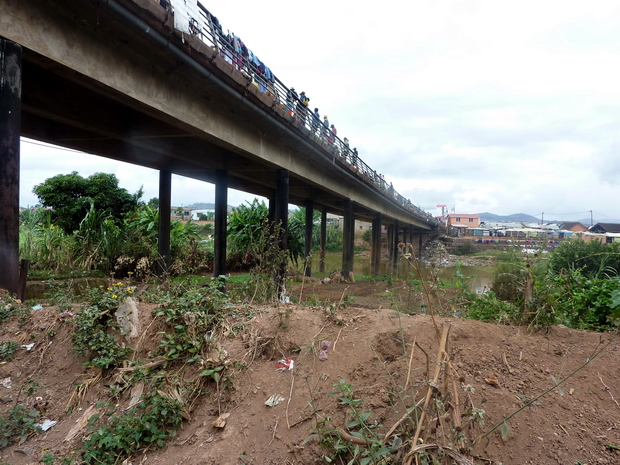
(515, 217)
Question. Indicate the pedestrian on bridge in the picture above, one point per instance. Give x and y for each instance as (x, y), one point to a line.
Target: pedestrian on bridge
(316, 121)
(332, 136)
(291, 98)
(302, 107)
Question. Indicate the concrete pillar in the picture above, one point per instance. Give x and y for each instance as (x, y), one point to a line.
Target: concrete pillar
(396, 242)
(281, 220)
(348, 235)
(10, 129)
(421, 235)
(390, 246)
(221, 220)
(272, 211)
(163, 234)
(308, 236)
(375, 248)
(323, 240)
(281, 205)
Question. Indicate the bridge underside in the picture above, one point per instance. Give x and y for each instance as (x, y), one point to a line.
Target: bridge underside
(115, 79)
(95, 81)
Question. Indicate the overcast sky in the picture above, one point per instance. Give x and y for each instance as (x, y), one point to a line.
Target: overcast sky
(506, 107)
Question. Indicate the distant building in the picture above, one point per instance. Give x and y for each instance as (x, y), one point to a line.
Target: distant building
(602, 228)
(464, 219)
(573, 226)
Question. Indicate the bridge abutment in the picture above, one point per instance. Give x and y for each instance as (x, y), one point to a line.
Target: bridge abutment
(10, 128)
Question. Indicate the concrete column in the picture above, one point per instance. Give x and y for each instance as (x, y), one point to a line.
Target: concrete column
(221, 220)
(272, 211)
(163, 235)
(10, 129)
(308, 236)
(281, 220)
(420, 245)
(323, 240)
(375, 248)
(281, 205)
(348, 234)
(396, 242)
(389, 247)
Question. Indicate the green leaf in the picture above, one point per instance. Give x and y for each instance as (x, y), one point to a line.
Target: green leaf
(505, 430)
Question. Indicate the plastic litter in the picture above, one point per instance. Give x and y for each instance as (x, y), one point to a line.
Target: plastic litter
(6, 382)
(325, 347)
(285, 364)
(37, 307)
(28, 346)
(47, 424)
(274, 400)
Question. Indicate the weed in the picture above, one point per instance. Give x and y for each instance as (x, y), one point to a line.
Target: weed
(191, 316)
(92, 325)
(7, 350)
(155, 419)
(31, 386)
(60, 294)
(18, 424)
(357, 441)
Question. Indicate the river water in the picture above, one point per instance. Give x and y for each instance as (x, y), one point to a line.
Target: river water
(479, 277)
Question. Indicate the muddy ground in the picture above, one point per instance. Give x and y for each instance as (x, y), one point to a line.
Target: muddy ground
(496, 369)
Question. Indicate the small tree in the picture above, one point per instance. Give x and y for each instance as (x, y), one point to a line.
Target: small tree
(70, 197)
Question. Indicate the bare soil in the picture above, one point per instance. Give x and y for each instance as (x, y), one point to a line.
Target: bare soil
(500, 369)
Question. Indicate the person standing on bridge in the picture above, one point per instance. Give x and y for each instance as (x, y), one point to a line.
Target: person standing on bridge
(302, 107)
(316, 122)
(332, 136)
(325, 127)
(291, 98)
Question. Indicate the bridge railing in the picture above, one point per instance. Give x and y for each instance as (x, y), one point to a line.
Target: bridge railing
(238, 55)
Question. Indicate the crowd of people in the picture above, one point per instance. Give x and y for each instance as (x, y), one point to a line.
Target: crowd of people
(236, 52)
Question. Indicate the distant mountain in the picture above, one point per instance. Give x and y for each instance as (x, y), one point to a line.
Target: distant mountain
(202, 206)
(515, 217)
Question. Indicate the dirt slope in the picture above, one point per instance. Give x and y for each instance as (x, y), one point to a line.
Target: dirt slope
(500, 368)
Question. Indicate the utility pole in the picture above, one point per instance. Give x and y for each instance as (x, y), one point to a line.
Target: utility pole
(542, 218)
(591, 222)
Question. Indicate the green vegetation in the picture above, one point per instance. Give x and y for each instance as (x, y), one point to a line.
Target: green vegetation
(154, 420)
(18, 423)
(577, 285)
(70, 197)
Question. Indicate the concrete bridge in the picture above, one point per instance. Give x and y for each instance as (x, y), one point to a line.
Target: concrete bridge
(129, 80)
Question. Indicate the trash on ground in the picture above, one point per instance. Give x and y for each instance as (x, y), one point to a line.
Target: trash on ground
(28, 346)
(127, 319)
(37, 307)
(285, 364)
(274, 400)
(221, 420)
(47, 424)
(6, 382)
(325, 347)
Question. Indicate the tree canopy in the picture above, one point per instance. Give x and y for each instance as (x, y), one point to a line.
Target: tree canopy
(70, 197)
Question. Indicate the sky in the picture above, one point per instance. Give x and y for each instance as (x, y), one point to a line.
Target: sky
(479, 105)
